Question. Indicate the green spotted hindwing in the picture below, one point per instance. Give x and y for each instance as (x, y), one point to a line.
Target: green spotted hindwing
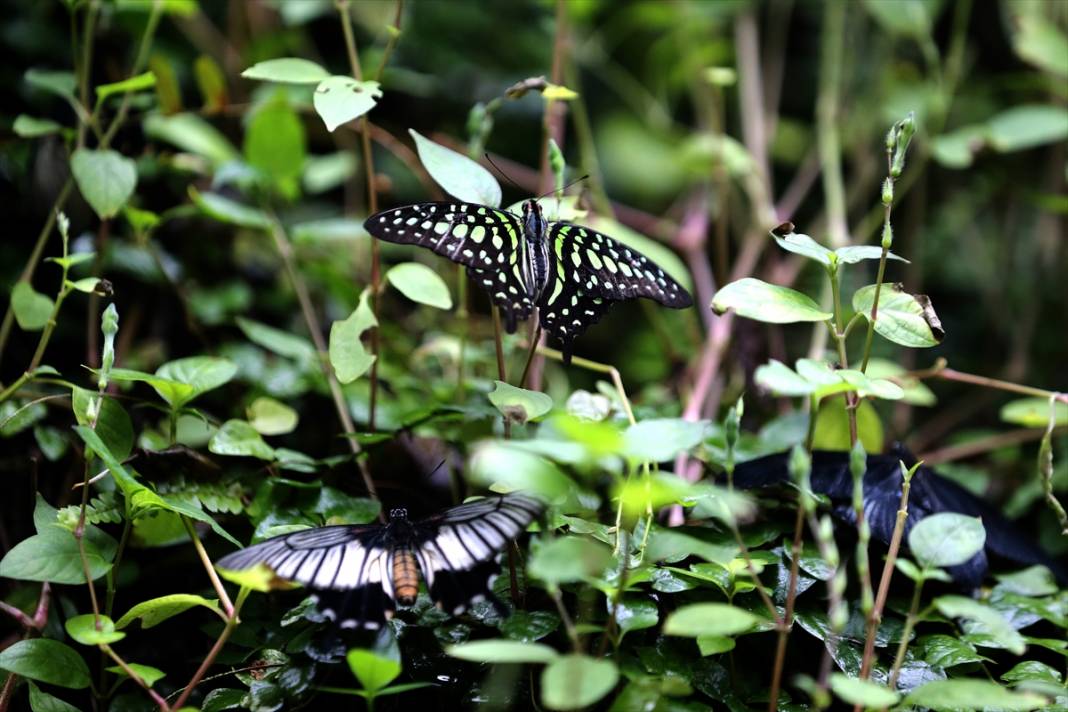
(590, 270)
(489, 242)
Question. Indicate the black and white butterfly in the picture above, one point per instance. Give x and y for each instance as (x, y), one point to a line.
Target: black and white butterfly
(359, 573)
(570, 273)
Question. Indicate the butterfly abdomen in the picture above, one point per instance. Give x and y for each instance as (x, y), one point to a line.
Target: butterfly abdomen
(405, 577)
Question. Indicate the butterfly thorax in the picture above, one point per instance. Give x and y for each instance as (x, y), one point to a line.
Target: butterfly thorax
(536, 256)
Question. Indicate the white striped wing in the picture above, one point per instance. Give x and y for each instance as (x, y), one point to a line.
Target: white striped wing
(334, 557)
(463, 537)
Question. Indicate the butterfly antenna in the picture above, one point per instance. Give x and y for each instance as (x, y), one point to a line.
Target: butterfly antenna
(436, 468)
(564, 187)
(502, 173)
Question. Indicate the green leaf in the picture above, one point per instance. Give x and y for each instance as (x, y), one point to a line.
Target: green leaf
(53, 555)
(779, 379)
(33, 127)
(971, 695)
(714, 644)
(87, 285)
(192, 134)
(47, 661)
(323, 173)
(83, 629)
(287, 70)
(992, 622)
(903, 318)
(635, 613)
(661, 439)
(141, 499)
(271, 417)
(519, 404)
(567, 559)
(229, 211)
(146, 80)
(105, 178)
(709, 619)
(1033, 581)
(239, 438)
(41, 701)
(805, 246)
(147, 673)
(1039, 41)
(1024, 127)
(575, 681)
(279, 342)
(372, 670)
(946, 539)
(156, 610)
(32, 309)
(852, 254)
(275, 143)
(528, 626)
(507, 466)
(910, 18)
(915, 391)
(502, 651)
(1032, 670)
(420, 284)
(865, 693)
(458, 175)
(60, 83)
(946, 651)
(347, 354)
(201, 373)
(113, 423)
(335, 505)
(756, 299)
(674, 545)
(1034, 412)
(339, 100)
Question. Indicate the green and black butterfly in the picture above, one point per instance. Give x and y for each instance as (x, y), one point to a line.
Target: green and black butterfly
(570, 273)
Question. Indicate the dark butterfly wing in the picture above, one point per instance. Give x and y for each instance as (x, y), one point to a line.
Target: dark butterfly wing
(565, 310)
(457, 549)
(603, 267)
(348, 568)
(489, 242)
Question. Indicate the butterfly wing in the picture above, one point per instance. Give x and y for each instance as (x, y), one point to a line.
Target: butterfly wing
(457, 549)
(590, 271)
(606, 268)
(489, 242)
(347, 568)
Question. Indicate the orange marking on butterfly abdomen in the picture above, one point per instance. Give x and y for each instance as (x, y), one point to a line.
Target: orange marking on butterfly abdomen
(405, 577)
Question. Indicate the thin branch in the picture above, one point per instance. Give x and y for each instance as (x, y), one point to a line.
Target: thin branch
(285, 250)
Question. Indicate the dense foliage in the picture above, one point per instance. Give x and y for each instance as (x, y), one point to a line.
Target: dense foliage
(203, 347)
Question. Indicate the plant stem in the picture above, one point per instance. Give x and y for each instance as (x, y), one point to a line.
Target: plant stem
(231, 623)
(139, 63)
(502, 374)
(311, 321)
(788, 616)
(132, 674)
(884, 582)
(220, 590)
(530, 356)
(565, 617)
(903, 645)
(35, 257)
(372, 194)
